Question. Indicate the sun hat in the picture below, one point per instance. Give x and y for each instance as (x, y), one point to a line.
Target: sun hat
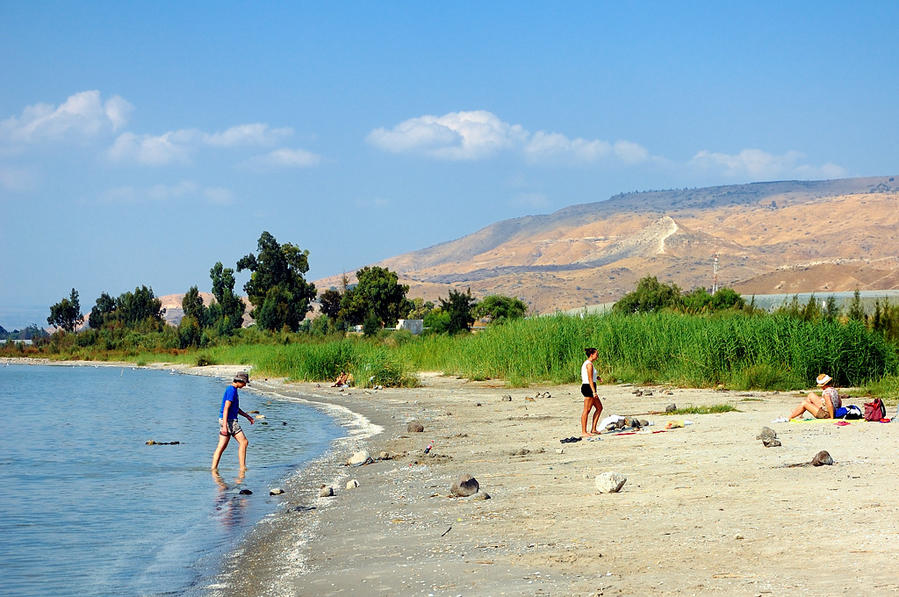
(243, 377)
(823, 379)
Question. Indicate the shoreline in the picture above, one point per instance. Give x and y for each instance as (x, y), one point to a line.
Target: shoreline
(706, 509)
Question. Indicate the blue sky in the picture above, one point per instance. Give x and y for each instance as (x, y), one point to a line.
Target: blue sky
(141, 143)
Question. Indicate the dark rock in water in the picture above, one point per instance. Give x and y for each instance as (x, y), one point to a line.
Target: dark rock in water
(465, 486)
(303, 508)
(284, 422)
(671, 408)
(822, 458)
(415, 427)
(245, 492)
(150, 442)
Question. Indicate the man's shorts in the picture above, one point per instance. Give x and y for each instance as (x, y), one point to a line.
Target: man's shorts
(233, 427)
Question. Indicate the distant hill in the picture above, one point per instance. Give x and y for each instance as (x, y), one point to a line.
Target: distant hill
(770, 237)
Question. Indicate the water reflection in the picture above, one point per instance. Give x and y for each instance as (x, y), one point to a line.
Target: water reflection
(230, 505)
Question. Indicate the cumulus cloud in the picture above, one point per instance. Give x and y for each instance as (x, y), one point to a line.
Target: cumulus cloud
(756, 164)
(454, 136)
(154, 150)
(283, 158)
(479, 134)
(158, 193)
(82, 115)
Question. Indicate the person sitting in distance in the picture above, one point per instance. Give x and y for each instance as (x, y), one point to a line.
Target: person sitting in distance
(823, 406)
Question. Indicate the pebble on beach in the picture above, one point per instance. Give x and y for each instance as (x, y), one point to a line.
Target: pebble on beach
(465, 486)
(609, 482)
(822, 458)
(326, 491)
(415, 427)
(276, 491)
(359, 458)
(352, 484)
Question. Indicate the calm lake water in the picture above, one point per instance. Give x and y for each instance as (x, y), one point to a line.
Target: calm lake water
(89, 509)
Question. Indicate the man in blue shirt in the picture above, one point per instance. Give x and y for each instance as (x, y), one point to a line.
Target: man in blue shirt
(228, 425)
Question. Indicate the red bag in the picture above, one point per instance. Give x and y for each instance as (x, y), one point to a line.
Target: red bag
(875, 410)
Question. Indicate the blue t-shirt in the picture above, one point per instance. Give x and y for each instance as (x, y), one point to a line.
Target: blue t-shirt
(230, 394)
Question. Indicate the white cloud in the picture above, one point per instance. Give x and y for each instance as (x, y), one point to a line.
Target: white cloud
(256, 133)
(171, 147)
(184, 190)
(480, 134)
(283, 158)
(757, 164)
(82, 115)
(543, 146)
(454, 136)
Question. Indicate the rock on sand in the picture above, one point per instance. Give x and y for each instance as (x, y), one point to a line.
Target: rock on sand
(465, 486)
(610, 482)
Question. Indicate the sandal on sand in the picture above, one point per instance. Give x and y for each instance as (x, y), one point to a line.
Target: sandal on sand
(569, 440)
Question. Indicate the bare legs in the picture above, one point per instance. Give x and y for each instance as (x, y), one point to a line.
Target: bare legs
(242, 441)
(809, 405)
(590, 404)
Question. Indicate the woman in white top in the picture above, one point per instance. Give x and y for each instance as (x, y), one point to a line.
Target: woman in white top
(823, 406)
(588, 389)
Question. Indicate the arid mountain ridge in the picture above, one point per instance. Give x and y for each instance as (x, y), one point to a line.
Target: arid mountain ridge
(770, 237)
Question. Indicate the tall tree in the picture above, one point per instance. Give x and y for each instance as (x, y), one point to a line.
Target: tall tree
(192, 305)
(66, 314)
(227, 312)
(102, 312)
(499, 308)
(329, 302)
(459, 307)
(377, 293)
(139, 308)
(277, 289)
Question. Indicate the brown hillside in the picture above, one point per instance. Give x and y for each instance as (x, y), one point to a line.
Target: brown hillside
(779, 237)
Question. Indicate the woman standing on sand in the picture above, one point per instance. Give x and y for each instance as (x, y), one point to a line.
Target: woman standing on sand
(588, 389)
(228, 425)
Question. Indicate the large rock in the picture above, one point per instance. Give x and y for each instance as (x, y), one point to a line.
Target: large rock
(358, 458)
(326, 491)
(822, 458)
(352, 484)
(610, 482)
(465, 486)
(768, 437)
(415, 427)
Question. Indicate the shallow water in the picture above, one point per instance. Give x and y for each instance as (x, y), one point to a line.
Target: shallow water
(90, 509)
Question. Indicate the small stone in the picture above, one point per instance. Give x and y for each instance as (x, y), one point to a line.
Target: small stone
(245, 492)
(771, 443)
(352, 484)
(647, 393)
(766, 433)
(560, 450)
(483, 495)
(671, 408)
(507, 398)
(385, 455)
(610, 482)
(359, 458)
(276, 491)
(520, 452)
(415, 427)
(326, 491)
(822, 458)
(465, 486)
(477, 404)
(150, 442)
(738, 536)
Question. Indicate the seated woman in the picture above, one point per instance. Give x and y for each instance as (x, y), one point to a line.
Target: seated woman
(820, 407)
(341, 381)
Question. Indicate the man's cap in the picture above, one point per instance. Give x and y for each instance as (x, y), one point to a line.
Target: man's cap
(243, 376)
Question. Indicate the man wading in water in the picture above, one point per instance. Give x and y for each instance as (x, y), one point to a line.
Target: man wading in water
(228, 425)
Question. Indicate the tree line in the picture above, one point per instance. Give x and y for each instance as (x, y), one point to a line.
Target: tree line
(281, 298)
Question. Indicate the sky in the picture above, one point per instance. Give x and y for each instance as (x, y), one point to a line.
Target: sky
(141, 143)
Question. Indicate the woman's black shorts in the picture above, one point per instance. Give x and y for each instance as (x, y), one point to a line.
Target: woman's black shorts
(586, 391)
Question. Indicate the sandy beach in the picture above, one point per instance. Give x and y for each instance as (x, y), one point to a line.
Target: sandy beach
(706, 509)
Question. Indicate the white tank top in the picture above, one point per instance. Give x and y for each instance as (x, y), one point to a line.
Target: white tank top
(584, 377)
